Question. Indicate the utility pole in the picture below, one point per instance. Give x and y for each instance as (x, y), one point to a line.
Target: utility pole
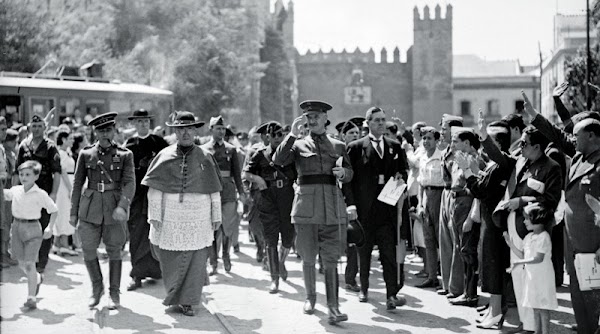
(588, 68)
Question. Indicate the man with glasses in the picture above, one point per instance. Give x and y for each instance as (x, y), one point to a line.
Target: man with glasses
(102, 207)
(275, 202)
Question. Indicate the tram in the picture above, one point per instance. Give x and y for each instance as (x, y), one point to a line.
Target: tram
(77, 97)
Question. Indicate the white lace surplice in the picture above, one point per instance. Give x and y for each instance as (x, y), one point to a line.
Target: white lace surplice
(182, 226)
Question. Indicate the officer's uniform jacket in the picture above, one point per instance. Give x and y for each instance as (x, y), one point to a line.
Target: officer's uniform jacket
(110, 183)
(227, 158)
(315, 155)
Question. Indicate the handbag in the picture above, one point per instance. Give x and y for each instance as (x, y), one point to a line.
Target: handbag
(355, 233)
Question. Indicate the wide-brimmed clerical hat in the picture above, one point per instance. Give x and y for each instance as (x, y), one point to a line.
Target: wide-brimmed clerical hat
(183, 119)
(140, 113)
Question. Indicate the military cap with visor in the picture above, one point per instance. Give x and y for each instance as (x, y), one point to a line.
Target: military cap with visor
(103, 121)
(311, 106)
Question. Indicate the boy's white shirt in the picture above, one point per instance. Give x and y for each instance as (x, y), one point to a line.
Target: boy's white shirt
(28, 204)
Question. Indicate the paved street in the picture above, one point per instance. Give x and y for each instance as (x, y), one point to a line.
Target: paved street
(236, 302)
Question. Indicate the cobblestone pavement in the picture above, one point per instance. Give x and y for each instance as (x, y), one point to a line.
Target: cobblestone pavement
(238, 302)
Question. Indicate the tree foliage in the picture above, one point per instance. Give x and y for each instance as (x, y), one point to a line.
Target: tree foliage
(20, 38)
(575, 75)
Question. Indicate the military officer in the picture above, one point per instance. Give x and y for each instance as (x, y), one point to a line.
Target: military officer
(275, 201)
(231, 172)
(318, 213)
(102, 208)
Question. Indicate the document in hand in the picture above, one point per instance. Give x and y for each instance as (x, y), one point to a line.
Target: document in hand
(588, 271)
(392, 191)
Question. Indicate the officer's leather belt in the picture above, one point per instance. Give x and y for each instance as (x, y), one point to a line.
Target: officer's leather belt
(225, 173)
(279, 183)
(19, 220)
(459, 193)
(317, 179)
(433, 187)
(102, 187)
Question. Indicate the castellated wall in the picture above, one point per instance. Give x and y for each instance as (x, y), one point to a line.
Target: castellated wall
(330, 79)
(418, 90)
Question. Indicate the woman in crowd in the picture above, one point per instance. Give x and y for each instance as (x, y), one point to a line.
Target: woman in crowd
(62, 229)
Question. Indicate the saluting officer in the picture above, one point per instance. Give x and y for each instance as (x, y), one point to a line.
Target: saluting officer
(274, 202)
(318, 213)
(102, 208)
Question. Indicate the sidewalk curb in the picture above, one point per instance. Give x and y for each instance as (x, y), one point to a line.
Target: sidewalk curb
(212, 307)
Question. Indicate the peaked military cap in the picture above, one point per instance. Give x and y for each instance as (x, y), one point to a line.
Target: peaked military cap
(269, 127)
(103, 121)
(358, 120)
(140, 113)
(346, 126)
(216, 121)
(36, 119)
(315, 106)
(183, 119)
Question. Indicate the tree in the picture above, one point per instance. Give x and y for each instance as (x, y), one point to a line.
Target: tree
(272, 85)
(575, 75)
(20, 47)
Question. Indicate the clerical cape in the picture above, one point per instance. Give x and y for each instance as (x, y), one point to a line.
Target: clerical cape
(173, 171)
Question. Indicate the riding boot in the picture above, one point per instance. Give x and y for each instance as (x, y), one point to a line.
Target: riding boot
(331, 290)
(310, 284)
(260, 248)
(283, 253)
(114, 276)
(93, 268)
(226, 259)
(401, 280)
(273, 268)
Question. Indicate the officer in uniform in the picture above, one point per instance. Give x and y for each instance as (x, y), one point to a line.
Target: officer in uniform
(231, 172)
(274, 201)
(318, 212)
(102, 208)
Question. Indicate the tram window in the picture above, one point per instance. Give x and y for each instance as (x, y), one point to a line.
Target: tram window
(69, 107)
(119, 106)
(10, 109)
(41, 105)
(142, 104)
(93, 108)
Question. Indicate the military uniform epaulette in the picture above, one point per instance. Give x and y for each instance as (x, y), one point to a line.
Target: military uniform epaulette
(119, 148)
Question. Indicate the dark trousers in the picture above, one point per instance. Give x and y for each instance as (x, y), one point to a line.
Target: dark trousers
(586, 306)
(46, 243)
(384, 236)
(274, 207)
(469, 243)
(351, 265)
(558, 252)
(459, 213)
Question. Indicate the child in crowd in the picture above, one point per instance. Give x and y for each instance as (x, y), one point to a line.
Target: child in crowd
(540, 291)
(28, 200)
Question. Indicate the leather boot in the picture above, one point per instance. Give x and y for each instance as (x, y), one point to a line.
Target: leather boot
(226, 259)
(260, 254)
(274, 268)
(283, 253)
(331, 289)
(114, 276)
(93, 268)
(310, 284)
(401, 280)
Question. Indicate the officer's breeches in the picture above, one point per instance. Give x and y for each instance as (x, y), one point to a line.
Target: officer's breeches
(114, 237)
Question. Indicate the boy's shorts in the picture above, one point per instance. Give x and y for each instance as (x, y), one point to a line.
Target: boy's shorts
(26, 240)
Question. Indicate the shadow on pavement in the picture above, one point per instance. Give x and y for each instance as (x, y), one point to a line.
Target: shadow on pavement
(48, 317)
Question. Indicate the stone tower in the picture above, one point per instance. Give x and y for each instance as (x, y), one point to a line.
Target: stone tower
(431, 58)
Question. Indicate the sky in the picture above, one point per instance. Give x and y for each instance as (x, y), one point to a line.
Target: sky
(491, 29)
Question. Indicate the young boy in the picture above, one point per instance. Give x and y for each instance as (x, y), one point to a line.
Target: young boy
(27, 202)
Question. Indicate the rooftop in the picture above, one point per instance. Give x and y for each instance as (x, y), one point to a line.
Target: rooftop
(473, 66)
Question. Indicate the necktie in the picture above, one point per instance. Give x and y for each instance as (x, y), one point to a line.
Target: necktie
(378, 147)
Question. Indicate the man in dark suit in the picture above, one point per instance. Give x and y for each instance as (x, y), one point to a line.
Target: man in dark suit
(375, 159)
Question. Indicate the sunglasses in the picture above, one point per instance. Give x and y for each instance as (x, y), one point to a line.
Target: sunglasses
(523, 144)
(277, 134)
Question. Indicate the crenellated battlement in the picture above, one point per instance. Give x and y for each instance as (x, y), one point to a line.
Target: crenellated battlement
(427, 19)
(349, 57)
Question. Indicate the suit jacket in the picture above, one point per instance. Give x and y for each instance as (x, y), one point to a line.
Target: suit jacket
(364, 188)
(583, 178)
(227, 157)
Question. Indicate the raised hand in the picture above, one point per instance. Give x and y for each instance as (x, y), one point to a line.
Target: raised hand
(462, 161)
(49, 116)
(481, 125)
(560, 89)
(528, 106)
(297, 126)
